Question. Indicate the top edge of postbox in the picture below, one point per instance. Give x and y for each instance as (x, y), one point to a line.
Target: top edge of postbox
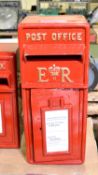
(53, 20)
(7, 55)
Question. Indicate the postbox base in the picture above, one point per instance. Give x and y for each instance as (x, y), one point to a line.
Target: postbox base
(70, 162)
(47, 110)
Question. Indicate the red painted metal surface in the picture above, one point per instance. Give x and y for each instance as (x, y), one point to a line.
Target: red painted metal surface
(8, 106)
(54, 54)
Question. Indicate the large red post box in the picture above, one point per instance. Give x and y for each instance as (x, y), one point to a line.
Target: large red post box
(8, 107)
(54, 76)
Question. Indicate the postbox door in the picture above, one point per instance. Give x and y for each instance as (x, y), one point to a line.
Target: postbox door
(7, 120)
(57, 124)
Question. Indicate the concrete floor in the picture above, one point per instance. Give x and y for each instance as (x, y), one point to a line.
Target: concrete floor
(12, 162)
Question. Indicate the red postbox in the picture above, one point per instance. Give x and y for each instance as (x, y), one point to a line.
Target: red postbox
(8, 108)
(54, 76)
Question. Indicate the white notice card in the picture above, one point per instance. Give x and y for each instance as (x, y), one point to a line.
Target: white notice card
(56, 122)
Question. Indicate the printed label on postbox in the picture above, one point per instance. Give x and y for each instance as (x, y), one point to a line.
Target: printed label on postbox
(53, 73)
(75, 36)
(54, 35)
(0, 120)
(56, 122)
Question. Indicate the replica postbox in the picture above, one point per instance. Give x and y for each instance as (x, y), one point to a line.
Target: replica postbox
(54, 76)
(8, 108)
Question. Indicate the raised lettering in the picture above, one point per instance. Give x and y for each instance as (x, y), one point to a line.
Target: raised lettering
(59, 36)
(64, 36)
(38, 36)
(27, 36)
(79, 36)
(70, 36)
(74, 37)
(54, 36)
(2, 66)
(33, 36)
(65, 74)
(44, 36)
(42, 74)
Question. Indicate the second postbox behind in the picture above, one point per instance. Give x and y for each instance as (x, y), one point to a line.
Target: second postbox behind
(9, 135)
(54, 75)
